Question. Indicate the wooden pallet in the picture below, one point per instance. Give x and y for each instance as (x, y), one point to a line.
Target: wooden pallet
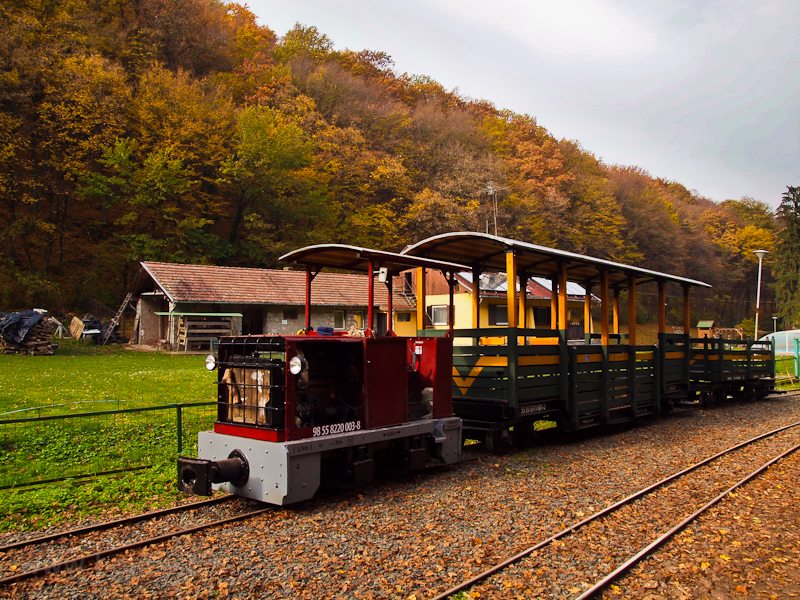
(197, 333)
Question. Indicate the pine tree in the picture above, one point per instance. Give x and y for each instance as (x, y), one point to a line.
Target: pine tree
(786, 268)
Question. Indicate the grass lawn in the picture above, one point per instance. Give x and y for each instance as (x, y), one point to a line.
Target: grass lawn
(784, 369)
(75, 380)
(80, 375)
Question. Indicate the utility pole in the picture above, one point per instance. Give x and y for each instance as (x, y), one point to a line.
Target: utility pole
(760, 254)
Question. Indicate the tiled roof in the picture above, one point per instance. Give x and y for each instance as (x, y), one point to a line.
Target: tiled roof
(236, 285)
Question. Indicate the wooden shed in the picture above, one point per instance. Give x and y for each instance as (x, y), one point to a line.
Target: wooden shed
(706, 329)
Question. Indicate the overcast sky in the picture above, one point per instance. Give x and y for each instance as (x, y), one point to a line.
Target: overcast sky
(705, 93)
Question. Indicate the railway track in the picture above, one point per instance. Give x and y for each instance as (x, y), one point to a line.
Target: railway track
(604, 531)
(32, 557)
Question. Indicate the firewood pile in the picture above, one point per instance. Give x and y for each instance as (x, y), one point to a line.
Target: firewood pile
(27, 332)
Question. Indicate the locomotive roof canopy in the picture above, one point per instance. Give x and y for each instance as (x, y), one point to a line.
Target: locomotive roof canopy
(357, 259)
(488, 252)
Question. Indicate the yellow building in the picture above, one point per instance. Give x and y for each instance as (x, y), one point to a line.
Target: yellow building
(493, 308)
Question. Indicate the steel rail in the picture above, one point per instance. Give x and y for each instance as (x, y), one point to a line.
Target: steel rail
(110, 524)
(634, 560)
(82, 561)
(609, 509)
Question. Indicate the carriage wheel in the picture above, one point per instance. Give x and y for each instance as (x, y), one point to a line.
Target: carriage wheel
(498, 441)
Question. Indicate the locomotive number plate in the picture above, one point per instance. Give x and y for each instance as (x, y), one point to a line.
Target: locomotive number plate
(337, 428)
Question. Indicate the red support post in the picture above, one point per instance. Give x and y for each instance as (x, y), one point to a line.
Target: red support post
(390, 293)
(308, 296)
(371, 294)
(451, 311)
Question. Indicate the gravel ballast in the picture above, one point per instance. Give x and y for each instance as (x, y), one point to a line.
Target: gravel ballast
(423, 535)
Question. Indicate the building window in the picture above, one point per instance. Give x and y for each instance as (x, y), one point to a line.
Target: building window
(407, 284)
(403, 317)
(438, 315)
(338, 319)
(541, 316)
(498, 314)
(290, 314)
(358, 320)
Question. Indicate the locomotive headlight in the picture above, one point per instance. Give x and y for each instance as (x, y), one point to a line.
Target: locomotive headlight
(211, 362)
(297, 365)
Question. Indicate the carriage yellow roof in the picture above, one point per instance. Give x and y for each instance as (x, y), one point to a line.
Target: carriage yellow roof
(488, 252)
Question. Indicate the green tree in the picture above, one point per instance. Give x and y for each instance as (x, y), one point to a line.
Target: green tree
(151, 198)
(275, 197)
(786, 265)
(752, 212)
(303, 40)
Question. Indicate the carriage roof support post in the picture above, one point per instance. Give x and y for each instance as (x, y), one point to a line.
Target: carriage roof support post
(523, 299)
(309, 279)
(687, 319)
(632, 310)
(451, 309)
(616, 311)
(662, 306)
(562, 296)
(587, 312)
(371, 294)
(563, 351)
(390, 314)
(553, 303)
(604, 308)
(421, 298)
(476, 297)
(511, 281)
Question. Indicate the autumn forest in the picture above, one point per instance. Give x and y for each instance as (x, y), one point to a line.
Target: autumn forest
(181, 130)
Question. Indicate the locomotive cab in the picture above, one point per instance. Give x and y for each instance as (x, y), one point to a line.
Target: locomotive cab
(301, 412)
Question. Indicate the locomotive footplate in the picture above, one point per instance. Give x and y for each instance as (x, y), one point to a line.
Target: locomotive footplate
(286, 472)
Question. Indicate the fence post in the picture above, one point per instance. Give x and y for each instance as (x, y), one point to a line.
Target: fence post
(179, 427)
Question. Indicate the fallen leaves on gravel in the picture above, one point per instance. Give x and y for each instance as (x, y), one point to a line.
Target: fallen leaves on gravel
(420, 536)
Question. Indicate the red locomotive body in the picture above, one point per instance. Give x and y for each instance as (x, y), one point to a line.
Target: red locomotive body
(297, 412)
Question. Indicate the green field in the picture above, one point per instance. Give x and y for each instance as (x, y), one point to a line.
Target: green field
(82, 378)
(784, 371)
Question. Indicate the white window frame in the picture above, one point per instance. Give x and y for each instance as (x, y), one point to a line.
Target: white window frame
(437, 310)
(339, 313)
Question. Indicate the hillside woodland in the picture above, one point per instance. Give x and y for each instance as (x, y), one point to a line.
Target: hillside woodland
(182, 130)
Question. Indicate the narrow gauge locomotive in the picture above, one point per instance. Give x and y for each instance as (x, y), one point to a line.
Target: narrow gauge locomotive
(296, 412)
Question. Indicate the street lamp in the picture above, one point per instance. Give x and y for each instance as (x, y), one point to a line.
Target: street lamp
(760, 254)
(774, 324)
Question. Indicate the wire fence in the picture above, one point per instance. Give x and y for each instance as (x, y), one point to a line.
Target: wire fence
(54, 448)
